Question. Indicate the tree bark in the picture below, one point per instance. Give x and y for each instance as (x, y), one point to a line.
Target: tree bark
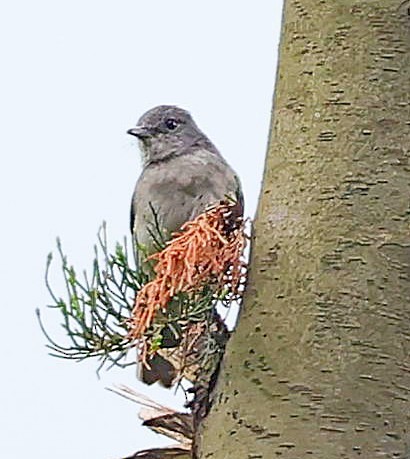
(319, 366)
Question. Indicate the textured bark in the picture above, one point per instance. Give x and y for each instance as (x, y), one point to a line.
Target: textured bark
(319, 366)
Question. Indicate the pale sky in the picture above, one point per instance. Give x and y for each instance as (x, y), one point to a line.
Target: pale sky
(75, 75)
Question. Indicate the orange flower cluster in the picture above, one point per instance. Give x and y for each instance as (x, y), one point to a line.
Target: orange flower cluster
(207, 250)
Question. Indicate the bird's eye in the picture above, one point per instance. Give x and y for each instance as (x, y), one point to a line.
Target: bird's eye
(171, 123)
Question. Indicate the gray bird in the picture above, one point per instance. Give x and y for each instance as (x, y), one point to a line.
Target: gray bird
(183, 173)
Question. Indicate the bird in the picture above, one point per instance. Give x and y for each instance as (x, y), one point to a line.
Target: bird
(183, 173)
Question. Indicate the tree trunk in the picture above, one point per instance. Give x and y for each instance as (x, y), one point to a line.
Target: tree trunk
(319, 366)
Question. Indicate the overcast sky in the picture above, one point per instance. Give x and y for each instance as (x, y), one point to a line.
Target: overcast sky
(75, 75)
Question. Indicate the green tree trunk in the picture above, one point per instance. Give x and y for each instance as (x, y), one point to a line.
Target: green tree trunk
(319, 366)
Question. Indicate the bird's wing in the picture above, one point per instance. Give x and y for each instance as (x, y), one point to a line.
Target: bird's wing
(132, 216)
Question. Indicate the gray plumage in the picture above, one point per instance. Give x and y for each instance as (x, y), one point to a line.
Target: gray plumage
(183, 173)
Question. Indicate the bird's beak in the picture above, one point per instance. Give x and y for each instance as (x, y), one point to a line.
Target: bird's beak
(141, 132)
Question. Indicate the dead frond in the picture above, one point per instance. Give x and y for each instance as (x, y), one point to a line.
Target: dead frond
(163, 420)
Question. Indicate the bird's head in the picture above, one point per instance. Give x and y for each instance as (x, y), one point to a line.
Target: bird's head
(165, 131)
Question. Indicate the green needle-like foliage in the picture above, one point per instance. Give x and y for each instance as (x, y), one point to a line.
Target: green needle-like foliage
(97, 305)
